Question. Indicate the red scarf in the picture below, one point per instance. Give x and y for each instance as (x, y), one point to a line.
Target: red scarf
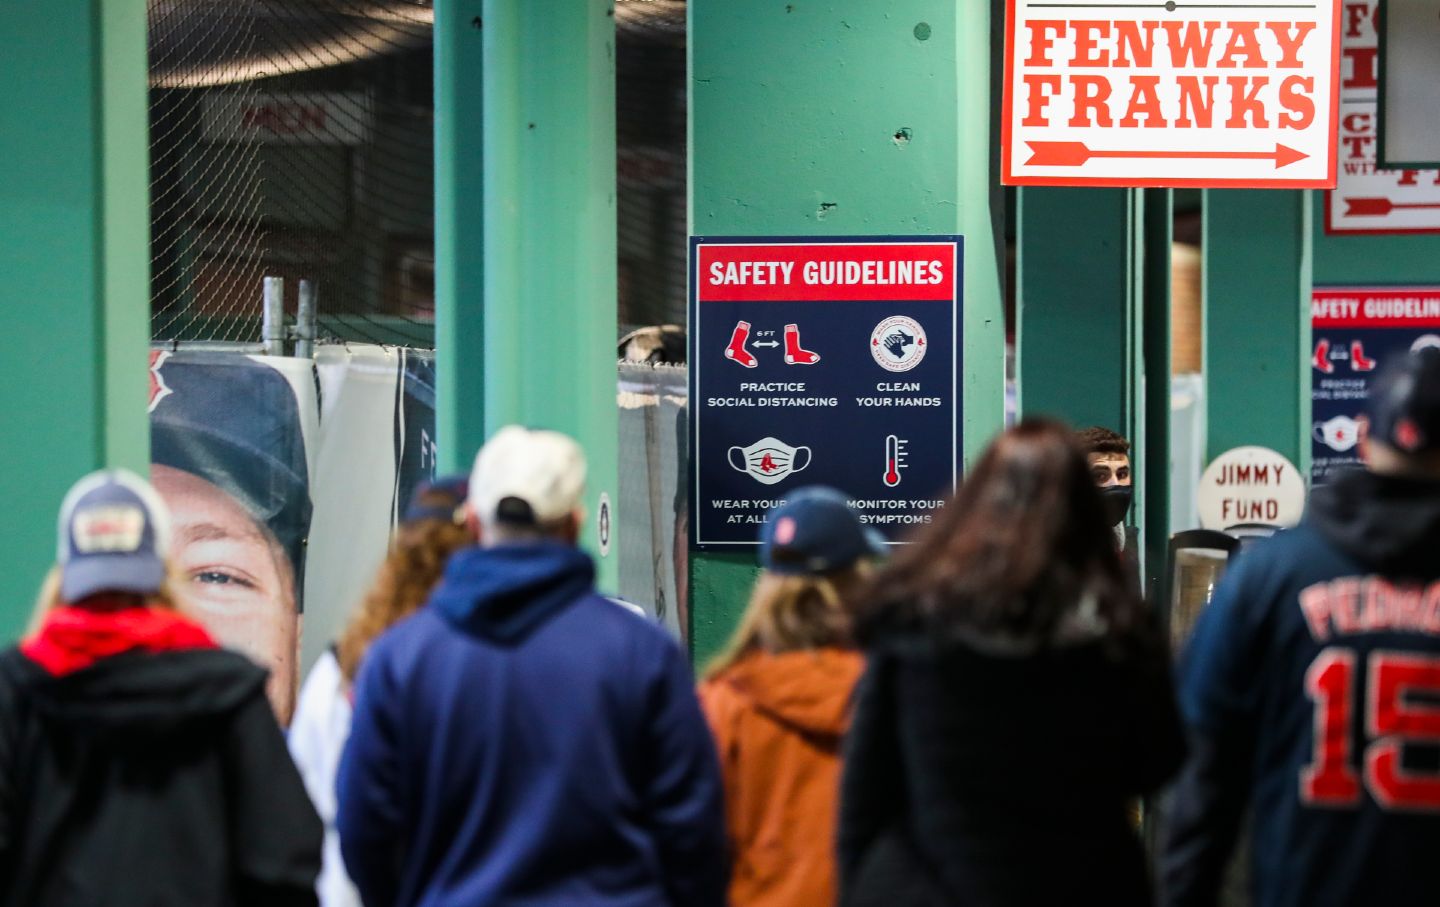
(75, 638)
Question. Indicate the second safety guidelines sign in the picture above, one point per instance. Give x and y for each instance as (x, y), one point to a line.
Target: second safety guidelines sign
(1219, 93)
(829, 361)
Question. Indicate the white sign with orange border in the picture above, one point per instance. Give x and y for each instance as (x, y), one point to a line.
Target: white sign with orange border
(1206, 93)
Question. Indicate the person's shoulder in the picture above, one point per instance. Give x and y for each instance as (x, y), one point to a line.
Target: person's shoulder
(619, 617)
(625, 634)
(407, 632)
(1290, 554)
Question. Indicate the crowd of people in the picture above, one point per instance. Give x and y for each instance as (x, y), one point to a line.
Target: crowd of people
(967, 719)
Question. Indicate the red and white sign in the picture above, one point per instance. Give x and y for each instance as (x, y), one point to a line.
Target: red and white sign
(1225, 93)
(1375, 307)
(1250, 486)
(1366, 199)
(287, 118)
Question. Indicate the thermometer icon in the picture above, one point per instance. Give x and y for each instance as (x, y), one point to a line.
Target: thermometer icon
(894, 459)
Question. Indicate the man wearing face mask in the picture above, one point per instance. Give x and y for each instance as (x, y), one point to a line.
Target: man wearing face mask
(1107, 453)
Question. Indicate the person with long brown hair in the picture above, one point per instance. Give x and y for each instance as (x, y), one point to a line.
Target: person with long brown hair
(1017, 698)
(777, 700)
(433, 528)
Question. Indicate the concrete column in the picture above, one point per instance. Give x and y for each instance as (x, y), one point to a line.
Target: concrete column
(1077, 297)
(1094, 328)
(1257, 261)
(835, 119)
(74, 267)
(526, 243)
(459, 232)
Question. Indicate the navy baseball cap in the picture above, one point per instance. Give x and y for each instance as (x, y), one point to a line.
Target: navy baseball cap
(814, 532)
(114, 531)
(1404, 406)
(438, 499)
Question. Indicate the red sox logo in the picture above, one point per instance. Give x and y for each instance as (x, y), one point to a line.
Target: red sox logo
(159, 390)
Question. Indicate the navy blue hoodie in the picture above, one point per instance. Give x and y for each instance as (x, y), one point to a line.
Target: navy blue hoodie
(1312, 690)
(522, 740)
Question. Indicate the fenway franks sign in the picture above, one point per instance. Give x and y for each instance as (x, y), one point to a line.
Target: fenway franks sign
(1211, 93)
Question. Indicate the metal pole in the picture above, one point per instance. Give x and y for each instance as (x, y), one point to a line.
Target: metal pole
(305, 321)
(272, 325)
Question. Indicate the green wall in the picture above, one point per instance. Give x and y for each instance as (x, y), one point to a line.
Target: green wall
(525, 244)
(841, 119)
(1257, 261)
(74, 255)
(1342, 260)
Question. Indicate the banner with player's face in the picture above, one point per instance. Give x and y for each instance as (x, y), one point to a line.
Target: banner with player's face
(284, 477)
(229, 456)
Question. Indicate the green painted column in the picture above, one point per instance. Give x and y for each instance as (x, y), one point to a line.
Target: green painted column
(459, 232)
(1076, 269)
(836, 119)
(549, 281)
(1257, 266)
(1153, 437)
(1093, 267)
(74, 267)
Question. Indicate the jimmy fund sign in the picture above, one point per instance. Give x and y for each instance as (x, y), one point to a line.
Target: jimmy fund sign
(823, 361)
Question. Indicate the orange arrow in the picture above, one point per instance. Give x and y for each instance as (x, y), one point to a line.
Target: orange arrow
(1075, 154)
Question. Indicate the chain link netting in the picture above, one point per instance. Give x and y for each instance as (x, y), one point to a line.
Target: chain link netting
(292, 138)
(650, 164)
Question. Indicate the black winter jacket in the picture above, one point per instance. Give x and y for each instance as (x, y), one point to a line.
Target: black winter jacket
(980, 777)
(150, 779)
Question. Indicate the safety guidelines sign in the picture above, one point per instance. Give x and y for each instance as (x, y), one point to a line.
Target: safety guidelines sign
(1355, 329)
(1219, 93)
(831, 361)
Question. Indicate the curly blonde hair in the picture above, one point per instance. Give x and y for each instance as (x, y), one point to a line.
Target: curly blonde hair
(415, 564)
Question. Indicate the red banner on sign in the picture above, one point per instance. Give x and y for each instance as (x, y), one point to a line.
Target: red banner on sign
(832, 273)
(1377, 307)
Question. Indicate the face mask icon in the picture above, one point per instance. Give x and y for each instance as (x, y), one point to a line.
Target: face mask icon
(1340, 433)
(769, 460)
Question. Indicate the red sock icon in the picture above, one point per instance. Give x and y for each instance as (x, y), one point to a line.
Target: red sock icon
(795, 354)
(1322, 357)
(1357, 358)
(736, 350)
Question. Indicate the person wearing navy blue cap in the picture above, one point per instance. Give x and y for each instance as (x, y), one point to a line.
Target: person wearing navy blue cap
(141, 764)
(777, 700)
(1310, 685)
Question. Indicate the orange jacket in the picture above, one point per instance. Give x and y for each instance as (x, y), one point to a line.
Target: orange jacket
(778, 721)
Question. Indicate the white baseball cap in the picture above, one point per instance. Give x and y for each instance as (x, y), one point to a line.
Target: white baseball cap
(527, 477)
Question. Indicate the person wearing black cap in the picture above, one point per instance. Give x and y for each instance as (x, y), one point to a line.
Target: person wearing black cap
(139, 763)
(778, 701)
(1311, 685)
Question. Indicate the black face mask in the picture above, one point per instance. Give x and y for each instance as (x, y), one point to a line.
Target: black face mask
(1117, 502)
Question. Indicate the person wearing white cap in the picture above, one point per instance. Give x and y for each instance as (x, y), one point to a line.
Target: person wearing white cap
(139, 763)
(522, 739)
